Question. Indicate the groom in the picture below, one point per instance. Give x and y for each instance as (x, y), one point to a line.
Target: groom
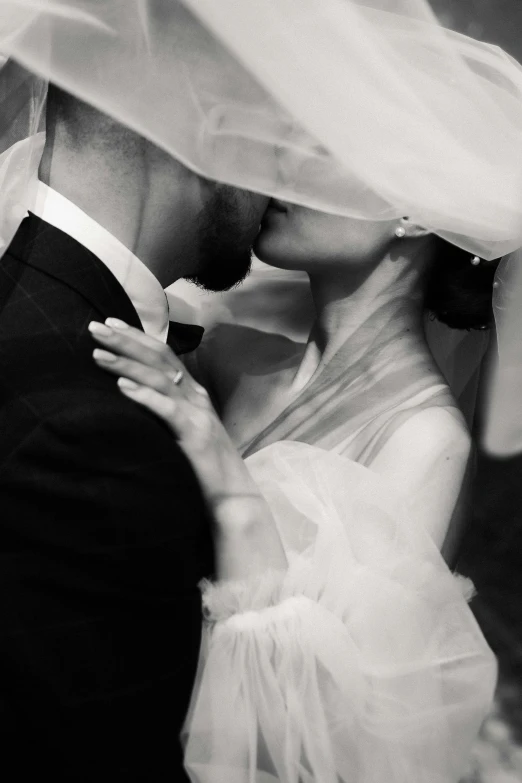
(103, 531)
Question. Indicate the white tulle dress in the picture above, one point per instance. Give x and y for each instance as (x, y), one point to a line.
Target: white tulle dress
(361, 664)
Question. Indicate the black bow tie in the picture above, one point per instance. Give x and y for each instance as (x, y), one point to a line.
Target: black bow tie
(184, 338)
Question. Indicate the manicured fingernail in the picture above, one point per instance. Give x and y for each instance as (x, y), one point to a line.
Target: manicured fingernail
(127, 385)
(104, 356)
(96, 328)
(115, 323)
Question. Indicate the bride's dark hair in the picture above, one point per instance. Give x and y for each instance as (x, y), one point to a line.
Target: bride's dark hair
(458, 293)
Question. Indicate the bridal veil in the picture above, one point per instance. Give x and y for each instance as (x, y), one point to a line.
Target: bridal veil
(367, 108)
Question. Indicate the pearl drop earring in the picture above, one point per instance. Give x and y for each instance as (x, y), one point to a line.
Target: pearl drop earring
(475, 261)
(400, 232)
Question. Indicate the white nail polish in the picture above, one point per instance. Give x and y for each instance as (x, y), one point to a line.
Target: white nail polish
(127, 384)
(115, 323)
(97, 328)
(104, 356)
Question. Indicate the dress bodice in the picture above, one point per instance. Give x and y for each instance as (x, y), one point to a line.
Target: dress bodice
(361, 663)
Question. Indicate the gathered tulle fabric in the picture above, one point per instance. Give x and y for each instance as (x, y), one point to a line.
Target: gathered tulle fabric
(361, 663)
(365, 108)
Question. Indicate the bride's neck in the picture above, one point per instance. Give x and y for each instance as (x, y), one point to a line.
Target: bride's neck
(371, 311)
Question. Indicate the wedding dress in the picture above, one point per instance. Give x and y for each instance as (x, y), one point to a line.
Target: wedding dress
(362, 663)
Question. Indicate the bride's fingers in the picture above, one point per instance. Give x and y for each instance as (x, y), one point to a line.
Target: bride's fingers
(163, 381)
(119, 338)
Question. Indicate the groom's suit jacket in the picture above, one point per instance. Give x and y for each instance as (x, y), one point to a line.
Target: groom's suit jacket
(104, 537)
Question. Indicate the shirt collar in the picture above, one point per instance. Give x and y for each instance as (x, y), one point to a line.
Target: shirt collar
(140, 285)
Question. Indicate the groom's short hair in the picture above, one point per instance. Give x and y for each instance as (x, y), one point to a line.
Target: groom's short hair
(65, 108)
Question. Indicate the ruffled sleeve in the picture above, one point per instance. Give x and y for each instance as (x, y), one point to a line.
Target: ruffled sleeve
(361, 663)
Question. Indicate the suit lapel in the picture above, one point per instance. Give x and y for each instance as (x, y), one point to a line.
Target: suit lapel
(44, 247)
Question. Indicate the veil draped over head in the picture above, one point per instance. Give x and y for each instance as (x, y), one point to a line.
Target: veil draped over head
(366, 108)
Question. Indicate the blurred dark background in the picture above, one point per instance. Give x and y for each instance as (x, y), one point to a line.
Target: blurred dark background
(495, 21)
(491, 555)
(491, 552)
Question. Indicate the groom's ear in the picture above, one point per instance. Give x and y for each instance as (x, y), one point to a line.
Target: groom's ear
(413, 230)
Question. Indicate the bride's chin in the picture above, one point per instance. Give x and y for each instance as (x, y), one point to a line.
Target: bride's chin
(275, 248)
(278, 261)
(265, 251)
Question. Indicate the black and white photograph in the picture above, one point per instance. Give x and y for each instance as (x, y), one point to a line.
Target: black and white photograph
(261, 391)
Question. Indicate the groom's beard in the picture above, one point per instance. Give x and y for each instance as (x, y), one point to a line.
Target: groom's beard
(226, 230)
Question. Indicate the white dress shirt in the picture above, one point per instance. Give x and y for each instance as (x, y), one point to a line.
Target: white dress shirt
(138, 282)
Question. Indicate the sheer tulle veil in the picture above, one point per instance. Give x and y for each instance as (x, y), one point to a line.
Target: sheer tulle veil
(367, 108)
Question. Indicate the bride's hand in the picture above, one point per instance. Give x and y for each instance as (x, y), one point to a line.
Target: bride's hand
(151, 374)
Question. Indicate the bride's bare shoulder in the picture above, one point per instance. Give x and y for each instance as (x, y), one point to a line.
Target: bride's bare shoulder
(429, 435)
(427, 459)
(435, 428)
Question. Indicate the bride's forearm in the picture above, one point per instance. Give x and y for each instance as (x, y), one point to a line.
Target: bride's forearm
(247, 541)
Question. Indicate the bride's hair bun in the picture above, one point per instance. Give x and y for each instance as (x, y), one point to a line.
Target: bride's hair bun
(459, 293)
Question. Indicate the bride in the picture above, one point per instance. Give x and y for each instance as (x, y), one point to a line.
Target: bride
(340, 646)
